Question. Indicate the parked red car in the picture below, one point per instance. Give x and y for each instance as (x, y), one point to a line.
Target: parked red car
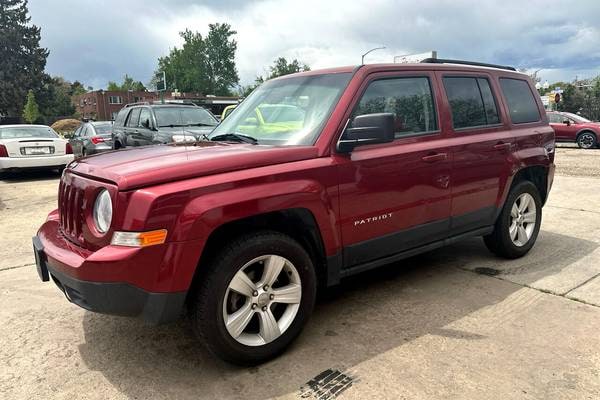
(574, 128)
(382, 162)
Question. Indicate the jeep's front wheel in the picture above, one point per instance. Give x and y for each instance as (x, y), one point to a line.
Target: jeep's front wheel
(518, 225)
(254, 298)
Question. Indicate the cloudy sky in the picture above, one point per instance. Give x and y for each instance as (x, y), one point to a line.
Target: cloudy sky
(97, 41)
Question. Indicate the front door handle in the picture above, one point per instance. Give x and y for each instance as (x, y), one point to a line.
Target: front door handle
(502, 146)
(435, 157)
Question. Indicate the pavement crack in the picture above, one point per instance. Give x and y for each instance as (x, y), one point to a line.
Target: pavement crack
(564, 295)
(15, 267)
(574, 209)
(583, 283)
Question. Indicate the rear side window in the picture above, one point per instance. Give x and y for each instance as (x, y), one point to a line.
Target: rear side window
(521, 104)
(120, 121)
(471, 101)
(409, 99)
(134, 117)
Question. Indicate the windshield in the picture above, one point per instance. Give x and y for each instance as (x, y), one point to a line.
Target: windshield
(183, 116)
(27, 132)
(576, 117)
(104, 129)
(288, 111)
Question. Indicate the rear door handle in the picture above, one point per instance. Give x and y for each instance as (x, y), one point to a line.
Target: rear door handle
(435, 157)
(502, 146)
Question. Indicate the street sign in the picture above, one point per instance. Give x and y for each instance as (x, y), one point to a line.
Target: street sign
(161, 82)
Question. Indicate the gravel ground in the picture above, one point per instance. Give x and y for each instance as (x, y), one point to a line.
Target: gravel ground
(572, 161)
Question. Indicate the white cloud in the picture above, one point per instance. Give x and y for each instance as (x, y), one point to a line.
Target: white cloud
(98, 41)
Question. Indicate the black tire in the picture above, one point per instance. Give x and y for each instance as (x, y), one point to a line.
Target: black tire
(206, 307)
(499, 241)
(587, 140)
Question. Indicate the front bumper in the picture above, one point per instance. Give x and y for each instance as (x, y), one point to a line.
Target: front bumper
(9, 163)
(150, 283)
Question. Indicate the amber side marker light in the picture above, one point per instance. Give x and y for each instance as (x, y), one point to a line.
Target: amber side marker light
(139, 239)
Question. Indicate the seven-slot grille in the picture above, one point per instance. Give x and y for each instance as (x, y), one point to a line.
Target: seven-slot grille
(70, 204)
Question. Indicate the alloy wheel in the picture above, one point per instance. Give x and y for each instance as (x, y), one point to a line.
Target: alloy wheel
(586, 140)
(262, 300)
(523, 217)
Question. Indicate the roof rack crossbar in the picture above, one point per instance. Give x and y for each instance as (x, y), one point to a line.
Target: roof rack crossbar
(462, 62)
(139, 103)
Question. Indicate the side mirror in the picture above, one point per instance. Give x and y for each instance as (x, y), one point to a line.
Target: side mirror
(567, 122)
(367, 129)
(146, 123)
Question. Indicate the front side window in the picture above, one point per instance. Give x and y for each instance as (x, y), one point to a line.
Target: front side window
(409, 99)
(286, 111)
(27, 132)
(471, 102)
(521, 104)
(577, 118)
(145, 117)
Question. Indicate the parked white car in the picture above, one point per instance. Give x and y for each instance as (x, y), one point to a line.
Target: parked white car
(32, 146)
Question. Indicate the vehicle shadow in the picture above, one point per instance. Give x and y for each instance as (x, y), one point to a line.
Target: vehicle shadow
(367, 315)
(29, 175)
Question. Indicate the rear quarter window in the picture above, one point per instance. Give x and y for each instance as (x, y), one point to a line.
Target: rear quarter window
(120, 120)
(521, 104)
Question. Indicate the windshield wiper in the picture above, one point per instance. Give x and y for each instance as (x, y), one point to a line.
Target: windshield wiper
(201, 124)
(237, 137)
(171, 126)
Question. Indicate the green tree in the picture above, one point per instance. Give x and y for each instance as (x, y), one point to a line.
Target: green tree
(77, 88)
(128, 84)
(203, 65)
(220, 72)
(22, 60)
(280, 67)
(55, 97)
(31, 112)
(113, 86)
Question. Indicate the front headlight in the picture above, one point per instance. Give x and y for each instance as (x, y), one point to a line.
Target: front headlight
(103, 211)
(184, 138)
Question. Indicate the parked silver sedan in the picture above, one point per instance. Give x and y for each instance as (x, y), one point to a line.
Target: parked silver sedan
(91, 138)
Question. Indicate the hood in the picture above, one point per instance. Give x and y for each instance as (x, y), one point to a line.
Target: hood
(150, 165)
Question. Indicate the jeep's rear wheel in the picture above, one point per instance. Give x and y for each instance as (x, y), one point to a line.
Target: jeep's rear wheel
(518, 225)
(254, 298)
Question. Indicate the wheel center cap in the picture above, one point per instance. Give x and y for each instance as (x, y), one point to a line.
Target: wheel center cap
(263, 299)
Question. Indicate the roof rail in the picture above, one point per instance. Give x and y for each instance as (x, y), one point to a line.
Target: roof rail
(478, 64)
(184, 102)
(139, 103)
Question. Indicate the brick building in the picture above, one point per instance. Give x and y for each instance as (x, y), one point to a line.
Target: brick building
(103, 105)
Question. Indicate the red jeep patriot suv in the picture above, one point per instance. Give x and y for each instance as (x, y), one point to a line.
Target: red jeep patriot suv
(344, 170)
